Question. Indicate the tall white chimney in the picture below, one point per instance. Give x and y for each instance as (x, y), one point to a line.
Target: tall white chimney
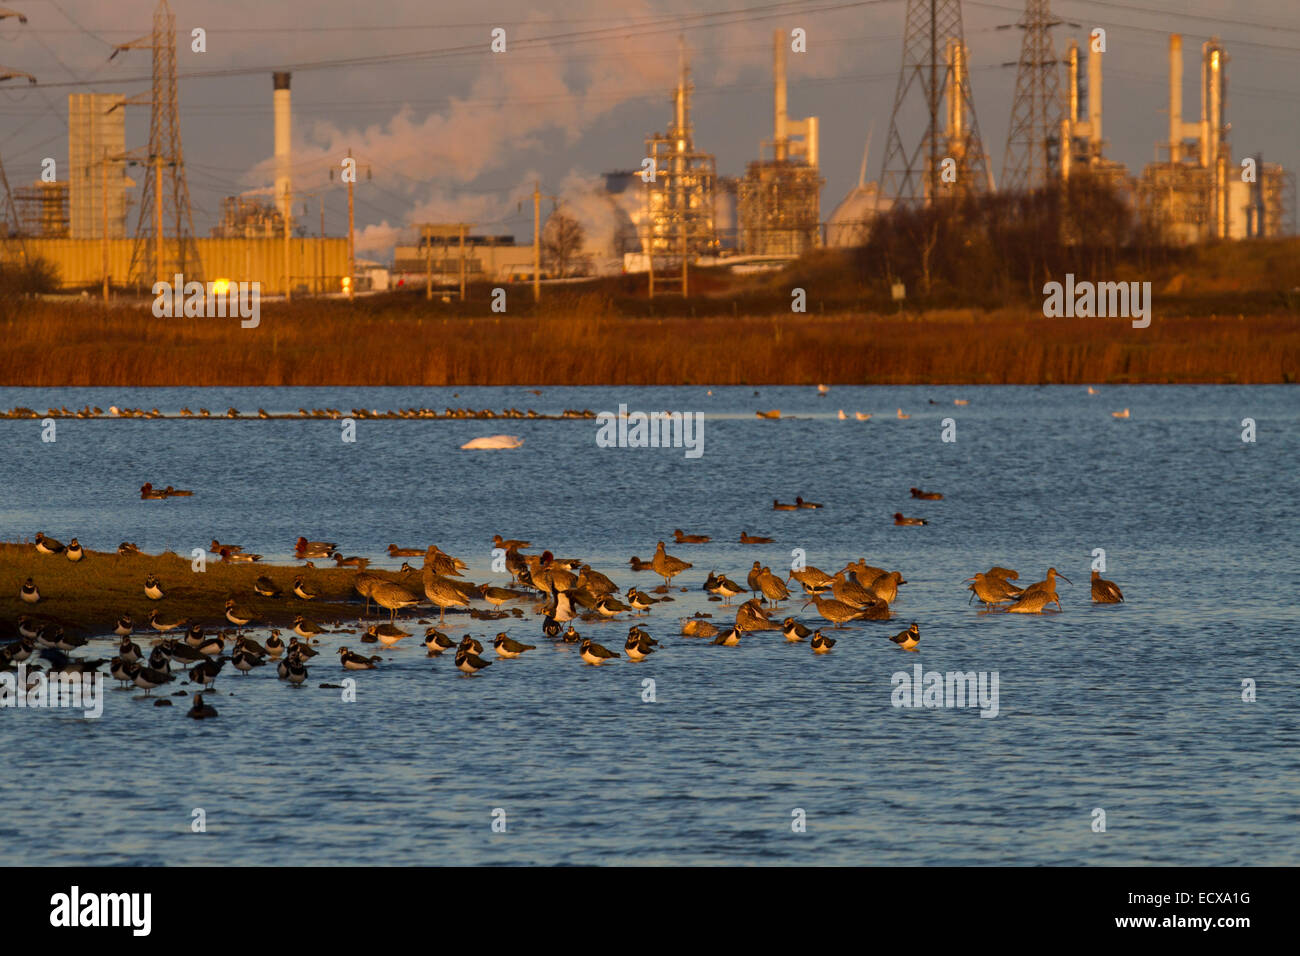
(780, 132)
(1175, 97)
(283, 144)
(1094, 100)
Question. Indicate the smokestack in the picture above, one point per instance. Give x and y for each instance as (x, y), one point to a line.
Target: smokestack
(283, 141)
(780, 135)
(1072, 73)
(1175, 97)
(1094, 99)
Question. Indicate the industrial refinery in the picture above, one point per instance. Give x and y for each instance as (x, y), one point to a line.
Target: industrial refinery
(120, 217)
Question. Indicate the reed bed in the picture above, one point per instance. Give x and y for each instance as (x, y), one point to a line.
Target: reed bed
(581, 340)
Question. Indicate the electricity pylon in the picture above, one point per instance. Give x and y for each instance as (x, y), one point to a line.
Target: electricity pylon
(1034, 136)
(165, 198)
(933, 67)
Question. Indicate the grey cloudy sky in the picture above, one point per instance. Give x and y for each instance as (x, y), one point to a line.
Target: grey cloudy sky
(452, 131)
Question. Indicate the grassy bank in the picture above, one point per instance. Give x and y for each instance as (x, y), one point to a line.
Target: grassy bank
(88, 596)
(574, 340)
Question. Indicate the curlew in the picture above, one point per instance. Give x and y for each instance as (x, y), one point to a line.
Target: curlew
(442, 593)
(990, 590)
(772, 587)
(1105, 592)
(393, 597)
(1033, 602)
(667, 566)
(1048, 583)
(837, 612)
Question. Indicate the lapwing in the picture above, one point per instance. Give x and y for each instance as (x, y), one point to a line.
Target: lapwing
(266, 587)
(355, 662)
(437, 642)
(275, 644)
(245, 660)
(387, 634)
(301, 590)
(821, 644)
(122, 671)
(306, 629)
(237, 616)
(908, 639)
(571, 636)
(153, 588)
(594, 654)
(211, 645)
(147, 678)
(29, 592)
(47, 545)
(637, 647)
(507, 648)
(469, 662)
(793, 631)
(124, 626)
(129, 651)
(165, 624)
(728, 638)
(295, 671)
(75, 552)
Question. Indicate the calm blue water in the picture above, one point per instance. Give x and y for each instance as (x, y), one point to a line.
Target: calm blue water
(1135, 709)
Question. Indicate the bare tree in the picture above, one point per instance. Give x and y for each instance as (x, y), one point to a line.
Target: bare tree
(562, 241)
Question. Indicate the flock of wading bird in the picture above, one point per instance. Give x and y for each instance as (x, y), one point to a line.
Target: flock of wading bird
(563, 590)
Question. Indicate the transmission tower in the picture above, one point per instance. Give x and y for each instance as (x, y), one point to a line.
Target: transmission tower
(13, 232)
(1034, 137)
(933, 67)
(165, 198)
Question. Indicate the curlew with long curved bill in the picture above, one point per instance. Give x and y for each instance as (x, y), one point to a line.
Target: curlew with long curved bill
(1048, 583)
(990, 590)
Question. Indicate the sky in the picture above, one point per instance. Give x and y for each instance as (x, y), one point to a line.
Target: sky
(446, 130)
